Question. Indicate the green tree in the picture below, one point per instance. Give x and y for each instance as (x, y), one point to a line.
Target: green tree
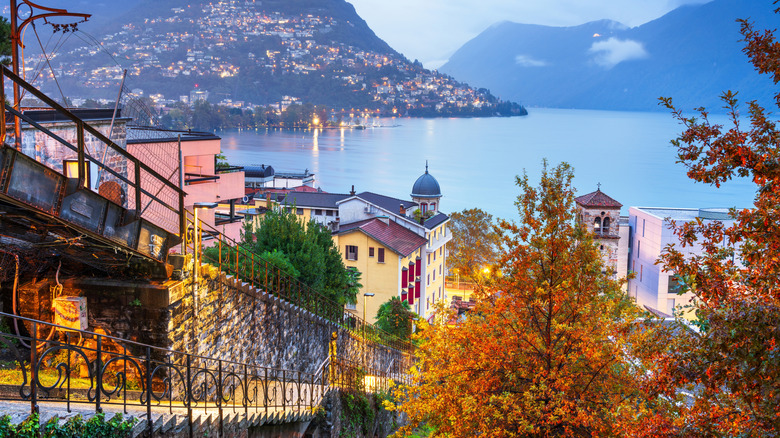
(309, 248)
(542, 354)
(5, 41)
(395, 317)
(474, 244)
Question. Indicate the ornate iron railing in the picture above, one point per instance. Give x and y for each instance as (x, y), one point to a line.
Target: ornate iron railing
(51, 363)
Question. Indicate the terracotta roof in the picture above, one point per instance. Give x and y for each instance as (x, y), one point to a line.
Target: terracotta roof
(399, 239)
(597, 199)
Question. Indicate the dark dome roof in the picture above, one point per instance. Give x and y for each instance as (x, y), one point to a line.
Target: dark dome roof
(255, 171)
(426, 186)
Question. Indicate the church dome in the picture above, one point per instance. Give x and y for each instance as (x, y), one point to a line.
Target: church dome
(426, 186)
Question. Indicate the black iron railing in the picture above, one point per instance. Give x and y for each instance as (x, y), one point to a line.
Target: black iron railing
(55, 364)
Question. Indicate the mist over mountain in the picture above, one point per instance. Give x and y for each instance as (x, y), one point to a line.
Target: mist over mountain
(692, 54)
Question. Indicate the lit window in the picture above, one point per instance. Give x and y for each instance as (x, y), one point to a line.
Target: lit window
(352, 252)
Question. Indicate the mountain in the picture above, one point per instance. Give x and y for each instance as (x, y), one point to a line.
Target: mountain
(252, 52)
(692, 54)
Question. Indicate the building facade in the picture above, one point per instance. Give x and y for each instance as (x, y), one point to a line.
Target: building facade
(652, 231)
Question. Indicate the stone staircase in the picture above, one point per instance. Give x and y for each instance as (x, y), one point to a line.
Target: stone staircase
(205, 421)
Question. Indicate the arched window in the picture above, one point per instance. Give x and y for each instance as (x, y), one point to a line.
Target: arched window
(605, 226)
(597, 225)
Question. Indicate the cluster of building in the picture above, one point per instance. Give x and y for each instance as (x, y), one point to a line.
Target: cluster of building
(220, 25)
(398, 245)
(634, 243)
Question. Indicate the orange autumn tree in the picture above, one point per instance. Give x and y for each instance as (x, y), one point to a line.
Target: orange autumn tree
(730, 371)
(542, 354)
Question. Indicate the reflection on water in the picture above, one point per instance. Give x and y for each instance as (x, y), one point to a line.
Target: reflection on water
(476, 160)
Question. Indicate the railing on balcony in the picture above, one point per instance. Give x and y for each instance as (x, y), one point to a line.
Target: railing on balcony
(122, 179)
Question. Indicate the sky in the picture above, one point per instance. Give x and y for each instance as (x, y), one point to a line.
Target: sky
(432, 30)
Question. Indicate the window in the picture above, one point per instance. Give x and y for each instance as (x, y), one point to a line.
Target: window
(441, 251)
(435, 232)
(434, 256)
(670, 304)
(641, 271)
(299, 211)
(643, 228)
(434, 275)
(381, 258)
(351, 306)
(597, 225)
(328, 212)
(370, 251)
(428, 280)
(352, 252)
(318, 212)
(633, 265)
(71, 170)
(429, 259)
(433, 206)
(424, 207)
(638, 247)
(439, 269)
(605, 226)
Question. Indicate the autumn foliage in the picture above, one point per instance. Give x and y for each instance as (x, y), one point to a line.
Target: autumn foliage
(543, 352)
(730, 369)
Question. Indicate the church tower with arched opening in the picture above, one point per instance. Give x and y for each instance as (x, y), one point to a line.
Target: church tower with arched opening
(600, 214)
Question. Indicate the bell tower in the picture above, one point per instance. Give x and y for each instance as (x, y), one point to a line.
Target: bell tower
(600, 214)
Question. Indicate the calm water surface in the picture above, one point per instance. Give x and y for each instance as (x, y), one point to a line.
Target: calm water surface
(476, 160)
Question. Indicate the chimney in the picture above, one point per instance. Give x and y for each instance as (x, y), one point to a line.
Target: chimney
(352, 192)
(402, 210)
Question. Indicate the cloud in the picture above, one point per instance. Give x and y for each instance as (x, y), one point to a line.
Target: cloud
(527, 61)
(613, 51)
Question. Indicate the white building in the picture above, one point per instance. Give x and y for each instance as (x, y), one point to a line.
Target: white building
(651, 232)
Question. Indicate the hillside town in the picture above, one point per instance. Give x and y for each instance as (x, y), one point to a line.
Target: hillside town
(199, 48)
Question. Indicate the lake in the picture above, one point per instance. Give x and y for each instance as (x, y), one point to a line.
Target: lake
(476, 160)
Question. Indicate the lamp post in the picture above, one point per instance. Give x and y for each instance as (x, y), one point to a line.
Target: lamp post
(365, 295)
(196, 241)
(365, 322)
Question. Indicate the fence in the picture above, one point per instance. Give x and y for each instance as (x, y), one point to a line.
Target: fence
(234, 259)
(71, 367)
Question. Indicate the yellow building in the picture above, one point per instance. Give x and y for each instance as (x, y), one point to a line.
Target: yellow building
(399, 246)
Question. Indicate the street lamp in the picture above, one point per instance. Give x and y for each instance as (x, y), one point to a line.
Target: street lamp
(197, 237)
(365, 295)
(365, 322)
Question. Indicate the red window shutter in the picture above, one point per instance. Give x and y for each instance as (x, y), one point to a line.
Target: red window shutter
(403, 296)
(404, 278)
(418, 267)
(411, 294)
(417, 289)
(411, 272)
